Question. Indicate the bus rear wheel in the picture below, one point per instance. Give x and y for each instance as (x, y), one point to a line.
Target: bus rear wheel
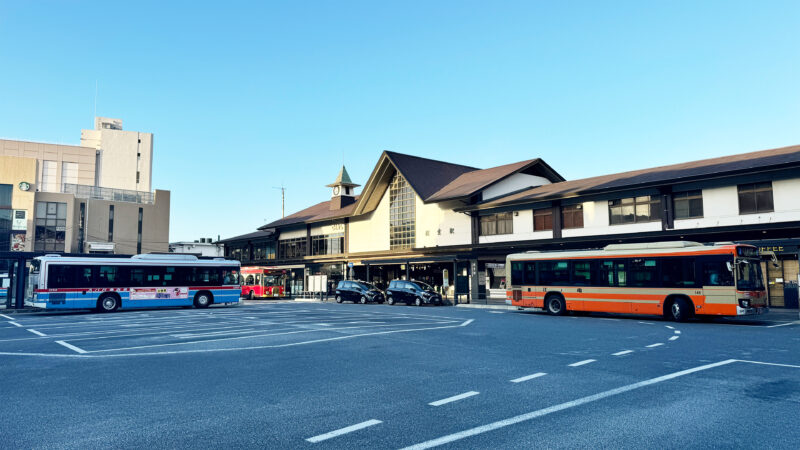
(555, 305)
(678, 310)
(108, 303)
(202, 299)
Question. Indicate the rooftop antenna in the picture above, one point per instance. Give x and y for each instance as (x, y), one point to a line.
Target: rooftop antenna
(283, 198)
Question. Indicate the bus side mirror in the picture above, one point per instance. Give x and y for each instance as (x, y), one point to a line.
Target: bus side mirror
(729, 265)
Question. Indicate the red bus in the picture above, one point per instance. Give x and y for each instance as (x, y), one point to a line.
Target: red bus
(263, 282)
(675, 279)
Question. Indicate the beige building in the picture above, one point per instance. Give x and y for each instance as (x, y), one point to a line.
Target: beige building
(93, 198)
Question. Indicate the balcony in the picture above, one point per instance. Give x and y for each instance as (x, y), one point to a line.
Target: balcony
(110, 194)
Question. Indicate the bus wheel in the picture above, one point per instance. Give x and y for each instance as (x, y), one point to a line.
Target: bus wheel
(250, 295)
(202, 299)
(679, 310)
(555, 305)
(108, 303)
(363, 300)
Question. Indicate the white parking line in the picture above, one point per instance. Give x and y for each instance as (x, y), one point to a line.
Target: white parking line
(580, 363)
(36, 332)
(560, 407)
(454, 398)
(624, 352)
(15, 324)
(71, 347)
(673, 338)
(654, 345)
(647, 323)
(528, 377)
(341, 431)
(5, 316)
(784, 324)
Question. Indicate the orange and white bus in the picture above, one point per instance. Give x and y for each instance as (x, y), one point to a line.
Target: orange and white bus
(675, 279)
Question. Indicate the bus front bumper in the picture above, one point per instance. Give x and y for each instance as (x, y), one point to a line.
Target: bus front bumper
(754, 311)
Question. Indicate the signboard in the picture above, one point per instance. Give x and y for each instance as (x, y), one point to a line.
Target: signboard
(18, 241)
(318, 283)
(20, 220)
(159, 293)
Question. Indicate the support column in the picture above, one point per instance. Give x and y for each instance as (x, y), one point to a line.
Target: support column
(558, 224)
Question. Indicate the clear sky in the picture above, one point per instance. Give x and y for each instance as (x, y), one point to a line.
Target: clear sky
(244, 97)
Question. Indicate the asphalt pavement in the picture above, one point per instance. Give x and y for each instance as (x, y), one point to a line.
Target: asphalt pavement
(322, 375)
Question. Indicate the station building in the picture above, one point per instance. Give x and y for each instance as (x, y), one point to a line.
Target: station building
(95, 198)
(452, 225)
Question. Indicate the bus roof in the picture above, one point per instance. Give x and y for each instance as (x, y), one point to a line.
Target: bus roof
(635, 250)
(154, 260)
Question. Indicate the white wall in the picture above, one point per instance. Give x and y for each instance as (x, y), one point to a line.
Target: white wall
(523, 230)
(721, 207)
(370, 232)
(329, 228)
(513, 183)
(434, 222)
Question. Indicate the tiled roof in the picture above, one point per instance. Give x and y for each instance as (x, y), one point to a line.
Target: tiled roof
(320, 211)
(676, 173)
(249, 236)
(426, 176)
(471, 182)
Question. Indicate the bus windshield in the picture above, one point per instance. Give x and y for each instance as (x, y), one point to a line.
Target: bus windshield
(748, 276)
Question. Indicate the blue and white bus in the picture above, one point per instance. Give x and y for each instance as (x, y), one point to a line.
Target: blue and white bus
(141, 281)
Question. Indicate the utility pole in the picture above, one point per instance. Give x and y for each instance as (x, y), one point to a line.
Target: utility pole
(283, 198)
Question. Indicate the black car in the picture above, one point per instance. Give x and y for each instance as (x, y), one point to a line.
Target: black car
(358, 291)
(412, 292)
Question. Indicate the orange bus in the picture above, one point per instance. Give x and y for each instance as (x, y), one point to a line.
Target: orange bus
(263, 282)
(675, 279)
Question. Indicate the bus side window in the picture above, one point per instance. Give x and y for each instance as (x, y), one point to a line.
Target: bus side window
(107, 276)
(716, 273)
(582, 273)
(516, 273)
(622, 274)
(85, 278)
(530, 273)
(605, 273)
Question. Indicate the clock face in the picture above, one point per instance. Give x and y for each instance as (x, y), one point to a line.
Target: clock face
(336, 190)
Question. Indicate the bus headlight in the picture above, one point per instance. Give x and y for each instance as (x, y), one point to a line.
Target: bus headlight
(744, 303)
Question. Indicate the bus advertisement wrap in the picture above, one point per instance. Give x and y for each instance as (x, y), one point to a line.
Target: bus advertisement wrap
(159, 293)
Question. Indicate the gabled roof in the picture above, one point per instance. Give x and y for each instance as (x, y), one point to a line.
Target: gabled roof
(316, 213)
(471, 183)
(426, 176)
(676, 173)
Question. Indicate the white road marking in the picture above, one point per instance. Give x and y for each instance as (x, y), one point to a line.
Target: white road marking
(654, 345)
(647, 323)
(496, 312)
(15, 324)
(580, 363)
(784, 324)
(345, 430)
(606, 318)
(673, 338)
(36, 332)
(467, 322)
(71, 347)
(560, 407)
(671, 328)
(323, 324)
(793, 366)
(5, 316)
(528, 377)
(624, 352)
(677, 331)
(454, 398)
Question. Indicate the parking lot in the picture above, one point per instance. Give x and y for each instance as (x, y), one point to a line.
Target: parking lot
(293, 374)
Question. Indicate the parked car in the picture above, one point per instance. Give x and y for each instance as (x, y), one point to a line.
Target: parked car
(358, 291)
(412, 292)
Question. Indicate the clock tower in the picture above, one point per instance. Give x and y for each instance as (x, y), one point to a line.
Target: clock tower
(343, 190)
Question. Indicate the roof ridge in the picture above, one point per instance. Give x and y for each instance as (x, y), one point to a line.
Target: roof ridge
(390, 152)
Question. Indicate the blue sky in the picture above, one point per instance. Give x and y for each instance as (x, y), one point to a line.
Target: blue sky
(243, 97)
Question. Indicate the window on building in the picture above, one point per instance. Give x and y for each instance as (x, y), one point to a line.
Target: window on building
(572, 216)
(688, 204)
(49, 181)
(327, 244)
(137, 176)
(755, 198)
(645, 208)
(402, 216)
(139, 233)
(69, 173)
(111, 223)
(292, 248)
(500, 223)
(543, 219)
(51, 226)
(82, 227)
